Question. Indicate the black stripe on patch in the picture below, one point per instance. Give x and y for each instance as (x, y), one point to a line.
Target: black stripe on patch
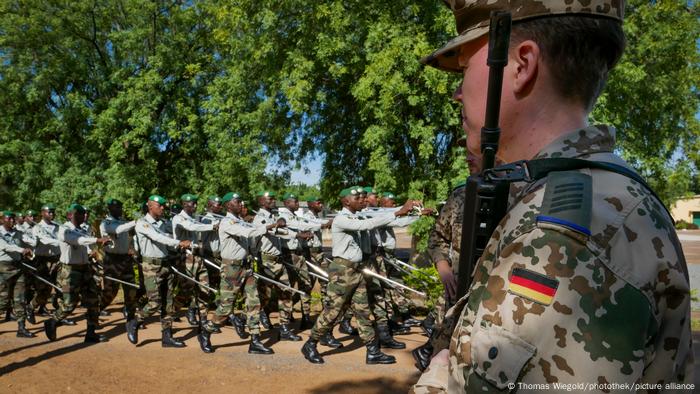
(535, 277)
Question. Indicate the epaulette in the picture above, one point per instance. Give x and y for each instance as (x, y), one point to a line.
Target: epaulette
(567, 201)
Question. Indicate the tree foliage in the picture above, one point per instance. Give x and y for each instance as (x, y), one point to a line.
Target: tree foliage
(127, 98)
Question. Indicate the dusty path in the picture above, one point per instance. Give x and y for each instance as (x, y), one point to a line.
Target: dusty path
(67, 365)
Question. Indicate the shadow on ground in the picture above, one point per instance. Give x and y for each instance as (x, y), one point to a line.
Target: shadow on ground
(368, 386)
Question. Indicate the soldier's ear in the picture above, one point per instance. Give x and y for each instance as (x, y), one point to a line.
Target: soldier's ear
(524, 65)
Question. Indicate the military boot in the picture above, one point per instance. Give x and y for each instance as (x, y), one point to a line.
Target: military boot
(398, 328)
(306, 322)
(132, 331)
(428, 325)
(287, 335)
(9, 316)
(68, 322)
(347, 328)
(238, 324)
(204, 338)
(422, 355)
(375, 356)
(192, 316)
(330, 341)
(22, 331)
(409, 321)
(168, 340)
(311, 353)
(215, 327)
(30, 315)
(385, 338)
(257, 347)
(264, 320)
(43, 312)
(50, 328)
(92, 337)
(105, 313)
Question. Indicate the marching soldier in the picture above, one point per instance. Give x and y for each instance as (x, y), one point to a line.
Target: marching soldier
(75, 277)
(294, 254)
(234, 235)
(314, 246)
(14, 247)
(270, 247)
(29, 222)
(185, 227)
(211, 245)
(584, 278)
(46, 260)
(117, 262)
(154, 243)
(347, 282)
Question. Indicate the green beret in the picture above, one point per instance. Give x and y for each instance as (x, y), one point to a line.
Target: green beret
(176, 207)
(8, 213)
(369, 190)
(214, 198)
(313, 199)
(31, 212)
(288, 196)
(160, 200)
(19, 214)
(48, 207)
(266, 193)
(187, 197)
(75, 207)
(352, 190)
(113, 201)
(231, 196)
(388, 195)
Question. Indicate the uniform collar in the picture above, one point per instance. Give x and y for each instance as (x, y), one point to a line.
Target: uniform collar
(581, 143)
(149, 218)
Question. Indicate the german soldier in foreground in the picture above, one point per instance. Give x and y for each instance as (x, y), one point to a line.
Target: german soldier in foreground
(584, 279)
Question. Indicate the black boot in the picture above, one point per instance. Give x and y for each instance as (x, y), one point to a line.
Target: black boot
(238, 324)
(398, 328)
(50, 328)
(204, 338)
(30, 315)
(287, 335)
(328, 340)
(375, 356)
(105, 313)
(409, 321)
(306, 322)
(347, 328)
(311, 353)
(43, 312)
(422, 355)
(264, 320)
(125, 312)
(427, 325)
(192, 316)
(68, 322)
(257, 347)
(22, 331)
(169, 341)
(92, 337)
(215, 327)
(385, 338)
(9, 316)
(132, 331)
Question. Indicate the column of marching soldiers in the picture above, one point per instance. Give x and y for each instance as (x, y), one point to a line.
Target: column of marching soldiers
(213, 265)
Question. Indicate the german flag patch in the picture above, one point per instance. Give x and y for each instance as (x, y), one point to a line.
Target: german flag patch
(533, 286)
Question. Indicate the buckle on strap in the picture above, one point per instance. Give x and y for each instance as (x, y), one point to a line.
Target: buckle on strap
(512, 172)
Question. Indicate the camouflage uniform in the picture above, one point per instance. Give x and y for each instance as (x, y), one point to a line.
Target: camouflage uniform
(117, 263)
(445, 239)
(314, 248)
(47, 253)
(237, 274)
(557, 283)
(75, 276)
(211, 251)
(157, 276)
(12, 244)
(294, 253)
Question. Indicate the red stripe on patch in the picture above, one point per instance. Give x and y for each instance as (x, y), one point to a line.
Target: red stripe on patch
(518, 280)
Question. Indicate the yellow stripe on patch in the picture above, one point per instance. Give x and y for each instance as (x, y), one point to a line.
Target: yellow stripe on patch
(530, 294)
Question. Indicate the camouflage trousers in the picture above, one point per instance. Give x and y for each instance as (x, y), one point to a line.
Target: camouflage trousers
(299, 278)
(47, 268)
(395, 296)
(375, 293)
(12, 287)
(213, 276)
(189, 293)
(273, 268)
(236, 277)
(119, 266)
(347, 286)
(160, 285)
(77, 284)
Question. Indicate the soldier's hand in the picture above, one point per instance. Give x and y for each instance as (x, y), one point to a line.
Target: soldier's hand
(185, 244)
(104, 240)
(406, 208)
(281, 223)
(27, 252)
(447, 277)
(216, 227)
(271, 226)
(329, 224)
(427, 212)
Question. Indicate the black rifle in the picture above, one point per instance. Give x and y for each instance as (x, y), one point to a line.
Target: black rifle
(486, 199)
